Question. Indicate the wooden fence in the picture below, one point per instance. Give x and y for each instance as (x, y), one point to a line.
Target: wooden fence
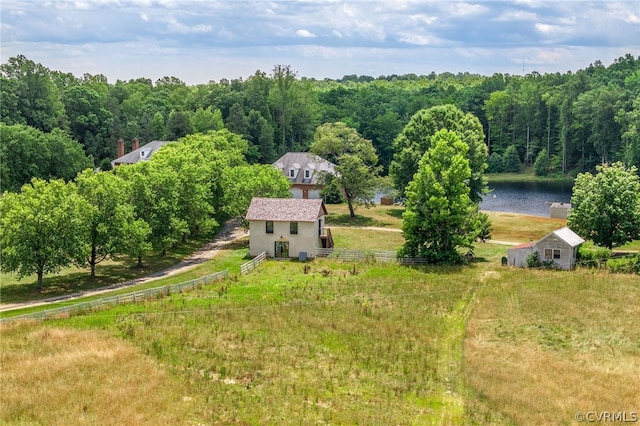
(245, 268)
(385, 256)
(135, 296)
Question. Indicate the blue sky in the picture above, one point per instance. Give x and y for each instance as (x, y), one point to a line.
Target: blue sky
(198, 41)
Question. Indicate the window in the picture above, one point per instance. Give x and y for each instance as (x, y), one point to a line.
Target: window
(269, 227)
(292, 173)
(293, 227)
(307, 174)
(548, 253)
(556, 253)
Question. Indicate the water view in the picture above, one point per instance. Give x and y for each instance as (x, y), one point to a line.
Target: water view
(533, 198)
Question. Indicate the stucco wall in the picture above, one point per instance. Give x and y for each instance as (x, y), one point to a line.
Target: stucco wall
(306, 240)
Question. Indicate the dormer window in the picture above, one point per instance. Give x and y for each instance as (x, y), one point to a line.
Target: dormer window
(292, 173)
(307, 174)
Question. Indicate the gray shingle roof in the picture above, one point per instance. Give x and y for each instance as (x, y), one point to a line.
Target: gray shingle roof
(301, 161)
(141, 154)
(286, 209)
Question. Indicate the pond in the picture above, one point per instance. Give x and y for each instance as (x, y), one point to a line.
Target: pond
(532, 198)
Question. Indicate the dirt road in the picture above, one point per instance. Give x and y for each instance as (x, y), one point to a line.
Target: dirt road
(231, 231)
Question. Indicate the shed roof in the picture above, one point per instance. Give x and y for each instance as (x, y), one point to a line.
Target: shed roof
(568, 236)
(286, 209)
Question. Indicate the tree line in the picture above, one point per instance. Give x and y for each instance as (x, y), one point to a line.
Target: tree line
(186, 189)
(571, 122)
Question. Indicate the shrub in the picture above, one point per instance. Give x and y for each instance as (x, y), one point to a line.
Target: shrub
(532, 260)
(511, 160)
(626, 265)
(593, 257)
(495, 164)
(542, 163)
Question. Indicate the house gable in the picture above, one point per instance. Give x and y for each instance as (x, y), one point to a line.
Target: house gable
(304, 170)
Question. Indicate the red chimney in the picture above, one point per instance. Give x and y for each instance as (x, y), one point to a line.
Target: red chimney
(120, 147)
(135, 144)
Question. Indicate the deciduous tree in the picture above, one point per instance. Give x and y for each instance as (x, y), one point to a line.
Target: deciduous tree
(440, 216)
(242, 183)
(43, 228)
(416, 138)
(27, 152)
(109, 216)
(355, 159)
(605, 207)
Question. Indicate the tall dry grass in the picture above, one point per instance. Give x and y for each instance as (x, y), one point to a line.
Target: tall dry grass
(544, 345)
(60, 376)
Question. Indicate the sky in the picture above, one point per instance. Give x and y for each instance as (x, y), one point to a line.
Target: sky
(199, 41)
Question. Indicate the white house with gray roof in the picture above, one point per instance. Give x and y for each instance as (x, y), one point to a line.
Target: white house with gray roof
(304, 170)
(560, 247)
(287, 227)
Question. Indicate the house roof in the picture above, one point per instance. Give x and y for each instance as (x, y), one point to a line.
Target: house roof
(141, 154)
(286, 209)
(568, 236)
(523, 246)
(300, 161)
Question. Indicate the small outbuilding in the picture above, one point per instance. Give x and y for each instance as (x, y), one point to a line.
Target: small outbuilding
(559, 210)
(560, 247)
(287, 227)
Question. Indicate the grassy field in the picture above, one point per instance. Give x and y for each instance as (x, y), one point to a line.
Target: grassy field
(341, 343)
(73, 279)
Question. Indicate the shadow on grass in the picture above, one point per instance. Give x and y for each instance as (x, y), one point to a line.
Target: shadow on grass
(115, 272)
(397, 213)
(347, 220)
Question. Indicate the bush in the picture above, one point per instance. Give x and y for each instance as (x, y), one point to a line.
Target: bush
(542, 163)
(495, 164)
(593, 257)
(511, 160)
(626, 265)
(532, 260)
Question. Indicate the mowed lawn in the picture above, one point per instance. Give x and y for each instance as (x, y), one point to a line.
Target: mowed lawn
(342, 343)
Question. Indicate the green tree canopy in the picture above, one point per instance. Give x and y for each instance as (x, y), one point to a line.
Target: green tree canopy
(109, 217)
(440, 215)
(355, 159)
(416, 138)
(242, 183)
(43, 228)
(605, 207)
(27, 152)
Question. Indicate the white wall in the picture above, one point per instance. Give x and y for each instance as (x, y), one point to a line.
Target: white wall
(306, 240)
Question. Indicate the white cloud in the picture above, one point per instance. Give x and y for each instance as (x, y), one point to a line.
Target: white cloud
(516, 15)
(144, 16)
(305, 33)
(417, 39)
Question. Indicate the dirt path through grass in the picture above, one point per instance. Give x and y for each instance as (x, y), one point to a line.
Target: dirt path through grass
(450, 362)
(230, 232)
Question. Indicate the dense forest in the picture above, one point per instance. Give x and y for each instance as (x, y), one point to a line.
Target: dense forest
(569, 122)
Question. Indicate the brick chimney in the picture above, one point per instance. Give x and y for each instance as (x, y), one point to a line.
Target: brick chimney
(135, 144)
(120, 148)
